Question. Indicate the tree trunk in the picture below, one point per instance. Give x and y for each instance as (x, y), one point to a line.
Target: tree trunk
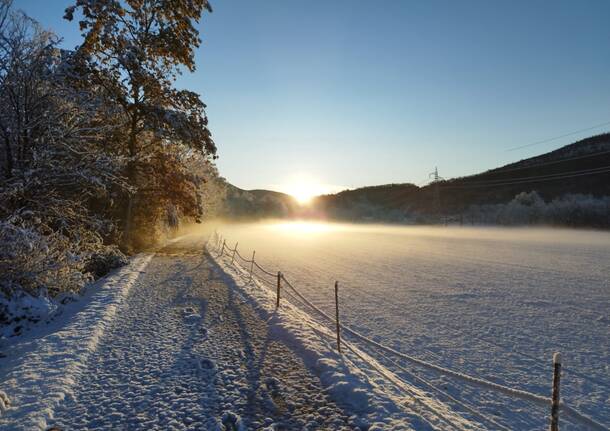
(131, 178)
(9, 157)
(128, 219)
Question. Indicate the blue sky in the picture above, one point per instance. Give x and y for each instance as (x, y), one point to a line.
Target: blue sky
(349, 93)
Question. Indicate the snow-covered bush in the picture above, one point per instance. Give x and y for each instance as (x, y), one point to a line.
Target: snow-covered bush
(525, 208)
(105, 260)
(31, 261)
(528, 208)
(580, 210)
(41, 266)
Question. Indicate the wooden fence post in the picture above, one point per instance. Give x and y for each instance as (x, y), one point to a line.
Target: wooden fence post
(222, 250)
(277, 299)
(234, 250)
(252, 264)
(555, 394)
(337, 316)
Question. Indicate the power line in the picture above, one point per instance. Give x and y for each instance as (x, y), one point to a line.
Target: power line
(557, 174)
(520, 168)
(552, 162)
(521, 179)
(559, 137)
(537, 179)
(528, 181)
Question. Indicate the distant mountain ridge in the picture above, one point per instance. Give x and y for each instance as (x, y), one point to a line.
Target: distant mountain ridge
(584, 147)
(580, 168)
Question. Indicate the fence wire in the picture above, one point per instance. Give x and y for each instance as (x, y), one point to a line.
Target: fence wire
(512, 392)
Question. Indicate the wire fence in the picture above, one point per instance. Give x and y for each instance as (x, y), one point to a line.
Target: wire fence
(391, 355)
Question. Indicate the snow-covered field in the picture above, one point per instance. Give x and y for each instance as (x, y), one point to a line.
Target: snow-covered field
(491, 303)
(178, 341)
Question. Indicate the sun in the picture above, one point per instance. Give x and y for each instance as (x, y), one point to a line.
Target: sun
(304, 188)
(303, 192)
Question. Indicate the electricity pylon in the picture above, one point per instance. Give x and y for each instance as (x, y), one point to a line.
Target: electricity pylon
(436, 178)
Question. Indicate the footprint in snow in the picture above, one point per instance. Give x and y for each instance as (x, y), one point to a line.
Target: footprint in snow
(192, 318)
(231, 422)
(5, 403)
(190, 315)
(273, 385)
(188, 310)
(205, 365)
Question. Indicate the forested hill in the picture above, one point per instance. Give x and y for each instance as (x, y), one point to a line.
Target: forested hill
(384, 202)
(581, 168)
(252, 204)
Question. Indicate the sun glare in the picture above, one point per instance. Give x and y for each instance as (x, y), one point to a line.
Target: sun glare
(305, 187)
(304, 192)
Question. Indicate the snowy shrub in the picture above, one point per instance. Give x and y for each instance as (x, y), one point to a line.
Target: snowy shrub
(42, 267)
(525, 208)
(530, 209)
(102, 262)
(31, 261)
(580, 210)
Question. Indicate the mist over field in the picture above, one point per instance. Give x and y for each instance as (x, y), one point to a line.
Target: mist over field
(493, 302)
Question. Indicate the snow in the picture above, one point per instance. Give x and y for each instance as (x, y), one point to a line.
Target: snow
(23, 311)
(5, 402)
(346, 377)
(485, 302)
(40, 372)
(186, 345)
(196, 343)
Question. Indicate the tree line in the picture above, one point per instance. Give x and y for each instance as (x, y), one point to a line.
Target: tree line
(99, 149)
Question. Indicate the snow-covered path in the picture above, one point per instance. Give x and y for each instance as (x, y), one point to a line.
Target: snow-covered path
(188, 352)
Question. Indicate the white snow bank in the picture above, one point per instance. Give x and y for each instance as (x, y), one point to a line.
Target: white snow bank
(373, 395)
(22, 311)
(39, 378)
